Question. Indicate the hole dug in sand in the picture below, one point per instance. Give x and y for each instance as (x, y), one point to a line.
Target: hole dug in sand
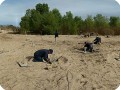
(60, 59)
(60, 62)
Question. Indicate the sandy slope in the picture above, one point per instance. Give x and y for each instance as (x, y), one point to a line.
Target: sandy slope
(74, 71)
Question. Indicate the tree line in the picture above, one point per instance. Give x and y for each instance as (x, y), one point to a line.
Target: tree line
(44, 21)
(11, 28)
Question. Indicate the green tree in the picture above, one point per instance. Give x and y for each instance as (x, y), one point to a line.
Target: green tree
(58, 19)
(79, 24)
(36, 22)
(42, 8)
(115, 24)
(43, 21)
(114, 21)
(51, 22)
(49, 25)
(68, 25)
(89, 24)
(101, 23)
(25, 22)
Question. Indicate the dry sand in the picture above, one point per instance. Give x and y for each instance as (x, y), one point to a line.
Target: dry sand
(74, 71)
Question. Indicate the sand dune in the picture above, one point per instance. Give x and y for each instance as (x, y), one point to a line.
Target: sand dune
(74, 71)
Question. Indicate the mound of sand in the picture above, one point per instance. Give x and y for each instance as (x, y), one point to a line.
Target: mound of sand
(73, 71)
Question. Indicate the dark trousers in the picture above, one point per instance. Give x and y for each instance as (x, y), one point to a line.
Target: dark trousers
(89, 49)
(97, 42)
(37, 58)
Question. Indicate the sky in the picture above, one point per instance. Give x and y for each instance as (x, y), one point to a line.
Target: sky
(11, 11)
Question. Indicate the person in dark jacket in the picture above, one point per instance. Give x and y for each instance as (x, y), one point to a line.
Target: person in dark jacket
(56, 35)
(42, 54)
(88, 47)
(97, 40)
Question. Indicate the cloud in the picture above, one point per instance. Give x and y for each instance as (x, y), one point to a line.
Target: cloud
(1, 1)
(118, 1)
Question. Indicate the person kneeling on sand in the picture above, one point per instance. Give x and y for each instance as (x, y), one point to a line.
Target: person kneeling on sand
(88, 47)
(43, 54)
(97, 40)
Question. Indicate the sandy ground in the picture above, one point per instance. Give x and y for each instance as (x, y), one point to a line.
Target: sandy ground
(74, 71)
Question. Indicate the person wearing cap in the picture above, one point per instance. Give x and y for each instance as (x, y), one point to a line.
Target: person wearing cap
(88, 47)
(97, 40)
(42, 54)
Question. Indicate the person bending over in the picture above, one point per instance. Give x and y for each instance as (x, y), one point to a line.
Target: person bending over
(97, 40)
(88, 47)
(42, 54)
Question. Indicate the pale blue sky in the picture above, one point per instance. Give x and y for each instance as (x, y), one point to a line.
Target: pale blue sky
(11, 11)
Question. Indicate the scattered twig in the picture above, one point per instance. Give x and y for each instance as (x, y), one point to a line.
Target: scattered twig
(68, 80)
